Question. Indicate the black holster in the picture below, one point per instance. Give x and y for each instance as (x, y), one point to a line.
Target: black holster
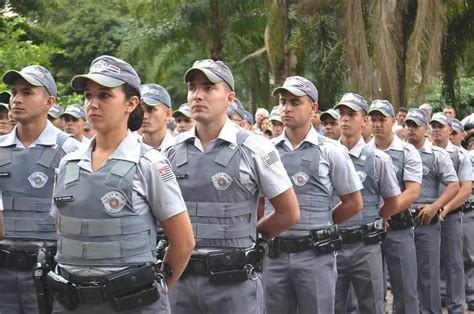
(375, 232)
(401, 221)
(45, 263)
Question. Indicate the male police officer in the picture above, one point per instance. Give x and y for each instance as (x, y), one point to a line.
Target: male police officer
(360, 261)
(398, 248)
(183, 118)
(29, 156)
(156, 104)
(275, 122)
(329, 121)
(300, 275)
(452, 267)
(54, 116)
(221, 169)
(5, 126)
(468, 245)
(74, 120)
(437, 168)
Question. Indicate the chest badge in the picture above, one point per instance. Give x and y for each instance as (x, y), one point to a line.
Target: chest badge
(38, 179)
(362, 175)
(113, 202)
(222, 181)
(300, 178)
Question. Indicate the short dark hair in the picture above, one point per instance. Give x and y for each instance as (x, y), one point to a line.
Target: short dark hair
(402, 109)
(136, 116)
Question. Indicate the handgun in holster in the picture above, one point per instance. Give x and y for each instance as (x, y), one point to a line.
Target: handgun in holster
(45, 264)
(65, 291)
(256, 254)
(326, 240)
(375, 232)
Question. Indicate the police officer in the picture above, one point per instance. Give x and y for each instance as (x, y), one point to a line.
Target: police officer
(107, 200)
(73, 122)
(457, 135)
(221, 170)
(248, 121)
(468, 245)
(236, 113)
(275, 122)
(398, 248)
(54, 116)
(452, 267)
(183, 118)
(5, 126)
(329, 120)
(29, 156)
(359, 263)
(156, 102)
(299, 276)
(437, 168)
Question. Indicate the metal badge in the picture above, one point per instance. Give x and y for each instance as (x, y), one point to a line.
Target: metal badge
(38, 179)
(300, 178)
(362, 175)
(222, 181)
(113, 202)
(426, 170)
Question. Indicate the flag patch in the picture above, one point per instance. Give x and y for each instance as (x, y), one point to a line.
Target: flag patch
(165, 173)
(270, 158)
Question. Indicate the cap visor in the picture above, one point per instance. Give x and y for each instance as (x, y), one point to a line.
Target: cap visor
(351, 106)
(275, 119)
(79, 82)
(417, 122)
(380, 111)
(70, 114)
(150, 101)
(293, 91)
(208, 74)
(178, 112)
(2, 105)
(11, 76)
(439, 121)
(327, 115)
(5, 97)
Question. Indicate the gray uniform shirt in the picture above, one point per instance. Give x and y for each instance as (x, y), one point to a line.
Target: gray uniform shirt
(260, 170)
(152, 189)
(336, 170)
(47, 138)
(385, 174)
(445, 167)
(412, 170)
(465, 166)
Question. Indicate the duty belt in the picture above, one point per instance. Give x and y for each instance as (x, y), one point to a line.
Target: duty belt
(401, 221)
(127, 289)
(22, 260)
(456, 210)
(229, 266)
(371, 233)
(322, 241)
(414, 213)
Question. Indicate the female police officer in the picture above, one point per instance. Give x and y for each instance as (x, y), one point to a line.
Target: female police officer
(108, 198)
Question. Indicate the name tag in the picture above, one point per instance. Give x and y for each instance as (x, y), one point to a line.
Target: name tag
(63, 199)
(181, 176)
(4, 174)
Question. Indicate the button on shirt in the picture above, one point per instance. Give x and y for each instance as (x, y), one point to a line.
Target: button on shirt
(255, 173)
(412, 167)
(335, 167)
(443, 164)
(384, 173)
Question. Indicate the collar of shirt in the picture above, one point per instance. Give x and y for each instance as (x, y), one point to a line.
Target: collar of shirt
(450, 147)
(228, 133)
(128, 150)
(396, 144)
(311, 137)
(356, 150)
(47, 137)
(167, 141)
(427, 147)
